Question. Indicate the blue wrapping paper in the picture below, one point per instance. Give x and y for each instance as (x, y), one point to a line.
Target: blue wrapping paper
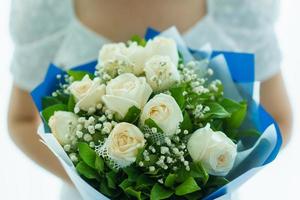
(238, 84)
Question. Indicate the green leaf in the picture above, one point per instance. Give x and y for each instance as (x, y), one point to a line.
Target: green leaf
(48, 112)
(104, 189)
(170, 180)
(216, 182)
(197, 171)
(177, 94)
(140, 41)
(125, 184)
(111, 179)
(71, 103)
(99, 164)
(186, 124)
(132, 115)
(195, 195)
(87, 154)
(216, 111)
(159, 192)
(134, 193)
(188, 186)
(86, 171)
(181, 59)
(132, 173)
(143, 181)
(151, 124)
(238, 112)
(63, 97)
(78, 75)
(182, 175)
(50, 101)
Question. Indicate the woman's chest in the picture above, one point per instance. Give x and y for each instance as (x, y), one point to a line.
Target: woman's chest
(119, 20)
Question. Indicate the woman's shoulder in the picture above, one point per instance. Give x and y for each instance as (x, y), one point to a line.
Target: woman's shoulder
(253, 14)
(33, 20)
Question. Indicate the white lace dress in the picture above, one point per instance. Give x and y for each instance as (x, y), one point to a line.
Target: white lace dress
(47, 31)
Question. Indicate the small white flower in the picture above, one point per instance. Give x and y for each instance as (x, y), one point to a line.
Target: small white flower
(73, 157)
(87, 137)
(151, 168)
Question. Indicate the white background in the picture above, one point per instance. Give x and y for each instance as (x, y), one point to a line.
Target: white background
(22, 179)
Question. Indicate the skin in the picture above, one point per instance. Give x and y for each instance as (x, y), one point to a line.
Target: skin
(129, 17)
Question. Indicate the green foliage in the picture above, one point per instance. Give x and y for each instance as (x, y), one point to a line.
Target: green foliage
(86, 171)
(111, 179)
(132, 192)
(188, 186)
(197, 171)
(71, 103)
(50, 101)
(238, 112)
(49, 111)
(78, 75)
(170, 180)
(216, 111)
(181, 59)
(177, 94)
(132, 115)
(132, 173)
(140, 41)
(186, 124)
(160, 192)
(90, 157)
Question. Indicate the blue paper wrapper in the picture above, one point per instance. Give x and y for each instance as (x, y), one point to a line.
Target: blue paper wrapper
(236, 71)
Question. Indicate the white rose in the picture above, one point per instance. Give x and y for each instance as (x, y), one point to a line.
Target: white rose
(164, 47)
(126, 91)
(161, 73)
(123, 143)
(88, 93)
(115, 58)
(214, 150)
(63, 126)
(164, 111)
(112, 52)
(137, 55)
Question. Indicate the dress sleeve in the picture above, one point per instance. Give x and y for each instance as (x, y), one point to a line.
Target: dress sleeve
(250, 24)
(37, 29)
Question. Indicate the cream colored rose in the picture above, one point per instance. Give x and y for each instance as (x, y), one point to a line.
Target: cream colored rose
(214, 150)
(137, 55)
(164, 111)
(164, 47)
(117, 57)
(126, 91)
(112, 52)
(88, 93)
(63, 126)
(161, 73)
(123, 143)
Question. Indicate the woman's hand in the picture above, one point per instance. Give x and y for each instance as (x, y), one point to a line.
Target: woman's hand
(23, 120)
(273, 96)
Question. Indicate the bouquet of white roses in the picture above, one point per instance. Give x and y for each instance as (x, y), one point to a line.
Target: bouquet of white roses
(150, 121)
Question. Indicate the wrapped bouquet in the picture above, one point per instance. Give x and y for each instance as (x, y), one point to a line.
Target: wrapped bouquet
(153, 119)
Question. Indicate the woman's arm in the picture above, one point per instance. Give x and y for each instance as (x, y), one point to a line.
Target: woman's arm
(273, 96)
(23, 121)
